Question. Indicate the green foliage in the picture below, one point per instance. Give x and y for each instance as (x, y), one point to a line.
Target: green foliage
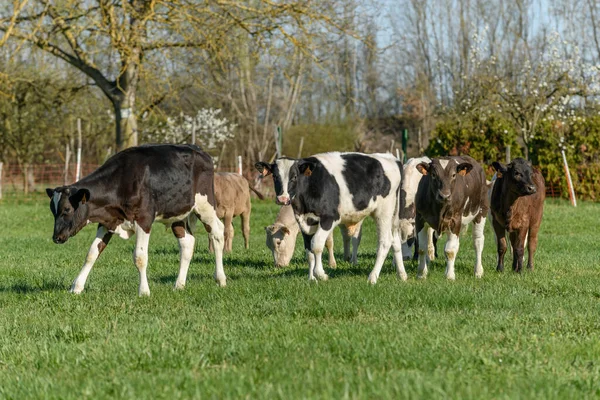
(272, 334)
(483, 139)
(319, 138)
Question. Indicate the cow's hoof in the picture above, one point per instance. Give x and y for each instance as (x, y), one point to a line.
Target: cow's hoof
(75, 290)
(403, 276)
(323, 277)
(479, 274)
(372, 279)
(333, 265)
(179, 286)
(451, 277)
(312, 279)
(144, 293)
(221, 280)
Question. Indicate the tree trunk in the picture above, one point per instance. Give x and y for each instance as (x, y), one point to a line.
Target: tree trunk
(125, 125)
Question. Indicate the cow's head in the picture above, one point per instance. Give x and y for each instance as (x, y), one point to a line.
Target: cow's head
(281, 242)
(442, 175)
(68, 205)
(286, 174)
(519, 175)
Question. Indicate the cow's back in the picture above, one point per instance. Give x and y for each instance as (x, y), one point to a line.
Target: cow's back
(231, 193)
(164, 178)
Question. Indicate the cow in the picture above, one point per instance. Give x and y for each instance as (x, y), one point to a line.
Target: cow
(329, 189)
(281, 239)
(172, 184)
(451, 194)
(516, 207)
(408, 212)
(232, 198)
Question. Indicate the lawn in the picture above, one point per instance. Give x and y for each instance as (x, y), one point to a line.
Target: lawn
(272, 334)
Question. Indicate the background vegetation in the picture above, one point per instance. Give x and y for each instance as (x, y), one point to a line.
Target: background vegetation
(461, 76)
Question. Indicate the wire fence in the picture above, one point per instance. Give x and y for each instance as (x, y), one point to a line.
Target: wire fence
(37, 177)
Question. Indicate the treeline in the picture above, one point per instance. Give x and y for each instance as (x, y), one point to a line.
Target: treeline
(461, 76)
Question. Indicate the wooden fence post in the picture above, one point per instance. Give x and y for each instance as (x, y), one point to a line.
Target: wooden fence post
(78, 170)
(0, 179)
(569, 181)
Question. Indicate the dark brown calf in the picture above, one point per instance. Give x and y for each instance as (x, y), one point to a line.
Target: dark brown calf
(517, 205)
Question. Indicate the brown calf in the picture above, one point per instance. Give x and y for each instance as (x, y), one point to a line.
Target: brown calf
(517, 205)
(232, 198)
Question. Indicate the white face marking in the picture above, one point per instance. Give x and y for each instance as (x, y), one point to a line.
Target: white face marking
(284, 165)
(444, 163)
(56, 200)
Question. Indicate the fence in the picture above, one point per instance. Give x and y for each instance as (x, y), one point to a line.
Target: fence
(13, 178)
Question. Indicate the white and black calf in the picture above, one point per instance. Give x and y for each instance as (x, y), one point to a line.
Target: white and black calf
(172, 184)
(331, 189)
(408, 213)
(451, 194)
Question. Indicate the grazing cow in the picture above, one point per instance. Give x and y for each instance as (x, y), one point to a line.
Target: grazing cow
(172, 184)
(281, 239)
(408, 213)
(517, 206)
(330, 189)
(451, 194)
(232, 198)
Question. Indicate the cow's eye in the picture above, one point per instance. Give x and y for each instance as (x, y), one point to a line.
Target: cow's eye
(517, 175)
(293, 179)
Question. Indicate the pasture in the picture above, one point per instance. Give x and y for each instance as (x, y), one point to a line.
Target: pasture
(272, 334)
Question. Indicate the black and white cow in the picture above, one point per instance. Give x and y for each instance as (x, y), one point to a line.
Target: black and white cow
(172, 184)
(330, 189)
(452, 193)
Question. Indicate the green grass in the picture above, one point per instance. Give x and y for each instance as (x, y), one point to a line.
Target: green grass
(272, 334)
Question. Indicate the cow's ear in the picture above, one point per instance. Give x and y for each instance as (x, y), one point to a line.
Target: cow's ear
(285, 230)
(464, 168)
(500, 169)
(50, 192)
(81, 196)
(264, 168)
(270, 229)
(423, 168)
(306, 167)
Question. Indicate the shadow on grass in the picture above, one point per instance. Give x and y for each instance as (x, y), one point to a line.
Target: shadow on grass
(28, 288)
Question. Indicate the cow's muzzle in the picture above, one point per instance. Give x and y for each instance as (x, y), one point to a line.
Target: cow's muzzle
(59, 239)
(531, 189)
(283, 200)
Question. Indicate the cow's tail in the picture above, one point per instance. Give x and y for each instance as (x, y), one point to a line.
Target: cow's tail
(259, 194)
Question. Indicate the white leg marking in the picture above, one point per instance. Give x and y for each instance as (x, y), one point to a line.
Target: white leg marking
(56, 200)
(92, 255)
(140, 258)
(186, 251)
(451, 251)
(430, 247)
(478, 241)
(398, 257)
(355, 243)
(317, 244)
(209, 217)
(384, 236)
(329, 245)
(422, 270)
(310, 257)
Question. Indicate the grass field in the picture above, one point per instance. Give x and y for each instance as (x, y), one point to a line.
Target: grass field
(272, 334)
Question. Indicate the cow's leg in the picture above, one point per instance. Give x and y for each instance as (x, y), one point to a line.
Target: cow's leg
(228, 232)
(329, 245)
(245, 216)
(317, 245)
(478, 241)
(532, 246)
(421, 230)
(140, 258)
(384, 239)
(346, 239)
(398, 256)
(310, 257)
(356, 237)
(500, 234)
(406, 252)
(207, 214)
(430, 246)
(451, 250)
(517, 240)
(98, 245)
(186, 251)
